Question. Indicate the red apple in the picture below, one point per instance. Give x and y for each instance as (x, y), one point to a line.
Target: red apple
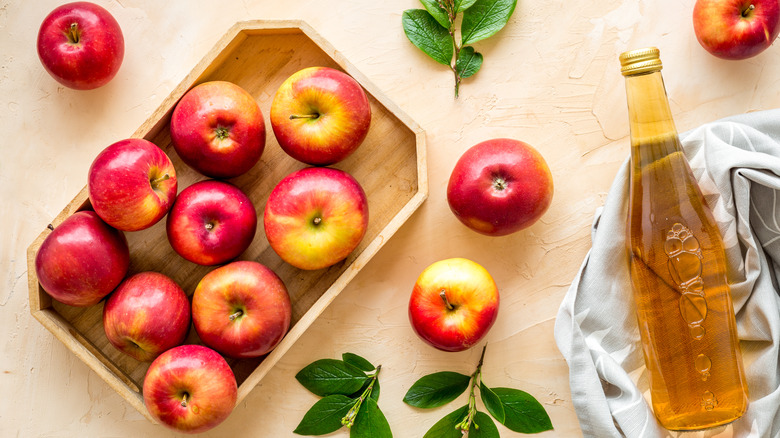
(81, 45)
(736, 29)
(211, 222)
(132, 184)
(82, 260)
(218, 129)
(147, 314)
(454, 304)
(241, 309)
(500, 186)
(320, 115)
(315, 217)
(190, 388)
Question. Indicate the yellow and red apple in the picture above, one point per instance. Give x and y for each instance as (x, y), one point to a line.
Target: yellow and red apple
(190, 388)
(217, 128)
(132, 184)
(80, 44)
(211, 222)
(500, 186)
(241, 309)
(146, 315)
(320, 115)
(453, 305)
(315, 217)
(736, 29)
(82, 260)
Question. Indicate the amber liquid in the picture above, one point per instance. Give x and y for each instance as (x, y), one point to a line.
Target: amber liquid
(678, 271)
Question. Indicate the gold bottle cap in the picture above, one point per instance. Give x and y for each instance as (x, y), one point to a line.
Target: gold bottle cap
(640, 61)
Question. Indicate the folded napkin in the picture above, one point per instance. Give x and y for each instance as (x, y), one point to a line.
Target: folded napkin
(737, 164)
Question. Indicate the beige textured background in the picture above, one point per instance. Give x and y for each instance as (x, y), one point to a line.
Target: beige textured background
(550, 78)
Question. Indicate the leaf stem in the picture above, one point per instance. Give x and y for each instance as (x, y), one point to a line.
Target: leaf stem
(349, 419)
(476, 378)
(454, 64)
(452, 13)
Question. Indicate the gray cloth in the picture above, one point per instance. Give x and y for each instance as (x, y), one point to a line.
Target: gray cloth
(737, 164)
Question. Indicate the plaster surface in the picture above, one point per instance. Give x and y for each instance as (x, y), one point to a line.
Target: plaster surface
(550, 78)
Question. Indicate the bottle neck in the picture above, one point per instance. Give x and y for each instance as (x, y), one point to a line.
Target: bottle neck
(650, 117)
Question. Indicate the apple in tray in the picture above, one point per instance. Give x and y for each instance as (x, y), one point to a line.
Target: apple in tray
(241, 309)
(315, 217)
(146, 315)
(320, 115)
(453, 305)
(211, 222)
(217, 128)
(132, 184)
(500, 186)
(736, 29)
(81, 45)
(190, 388)
(82, 260)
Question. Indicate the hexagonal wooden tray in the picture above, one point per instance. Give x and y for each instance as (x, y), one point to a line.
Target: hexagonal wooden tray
(390, 165)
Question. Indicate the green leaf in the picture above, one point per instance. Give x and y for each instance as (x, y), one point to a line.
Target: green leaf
(358, 362)
(462, 5)
(439, 14)
(483, 427)
(370, 422)
(485, 18)
(428, 35)
(365, 365)
(524, 413)
(445, 428)
(330, 376)
(469, 62)
(492, 403)
(436, 389)
(375, 391)
(325, 416)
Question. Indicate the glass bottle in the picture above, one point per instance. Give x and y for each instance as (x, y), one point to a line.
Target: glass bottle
(678, 267)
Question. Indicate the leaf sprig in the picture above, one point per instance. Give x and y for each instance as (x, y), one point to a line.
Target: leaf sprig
(515, 409)
(350, 391)
(433, 31)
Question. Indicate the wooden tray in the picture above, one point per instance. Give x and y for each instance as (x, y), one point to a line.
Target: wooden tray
(390, 165)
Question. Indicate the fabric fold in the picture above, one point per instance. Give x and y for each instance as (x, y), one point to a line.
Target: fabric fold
(737, 164)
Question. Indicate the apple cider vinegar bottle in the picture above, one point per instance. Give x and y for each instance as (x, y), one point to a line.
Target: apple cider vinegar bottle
(678, 268)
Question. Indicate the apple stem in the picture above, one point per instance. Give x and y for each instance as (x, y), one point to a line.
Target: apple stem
(748, 10)
(184, 400)
(74, 34)
(50, 226)
(304, 116)
(156, 181)
(443, 295)
(236, 315)
(317, 220)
